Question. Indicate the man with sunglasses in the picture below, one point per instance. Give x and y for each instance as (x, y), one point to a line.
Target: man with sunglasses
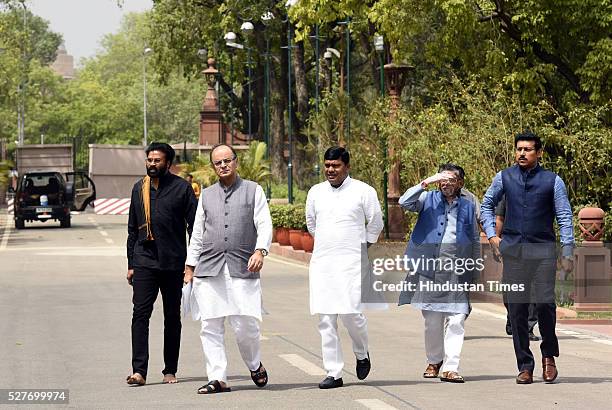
(535, 197)
(231, 236)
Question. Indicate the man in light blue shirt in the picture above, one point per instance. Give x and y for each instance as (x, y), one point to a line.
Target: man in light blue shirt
(534, 198)
(445, 237)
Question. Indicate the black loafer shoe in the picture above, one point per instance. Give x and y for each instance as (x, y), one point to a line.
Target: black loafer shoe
(363, 367)
(533, 337)
(331, 383)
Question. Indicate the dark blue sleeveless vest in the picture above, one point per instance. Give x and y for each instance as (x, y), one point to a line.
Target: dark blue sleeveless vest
(530, 211)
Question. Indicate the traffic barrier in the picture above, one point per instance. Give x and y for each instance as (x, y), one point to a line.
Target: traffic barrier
(112, 206)
(10, 206)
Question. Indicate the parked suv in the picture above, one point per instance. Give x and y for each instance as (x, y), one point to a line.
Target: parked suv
(42, 196)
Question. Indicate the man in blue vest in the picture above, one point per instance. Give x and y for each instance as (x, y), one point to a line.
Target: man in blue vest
(446, 233)
(534, 198)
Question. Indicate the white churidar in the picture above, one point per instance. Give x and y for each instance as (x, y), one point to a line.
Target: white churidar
(444, 334)
(245, 328)
(356, 324)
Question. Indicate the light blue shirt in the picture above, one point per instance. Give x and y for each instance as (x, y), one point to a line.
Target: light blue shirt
(563, 211)
(413, 200)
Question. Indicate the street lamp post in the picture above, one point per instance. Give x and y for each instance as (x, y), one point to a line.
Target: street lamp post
(348, 78)
(22, 83)
(266, 18)
(379, 46)
(247, 28)
(146, 51)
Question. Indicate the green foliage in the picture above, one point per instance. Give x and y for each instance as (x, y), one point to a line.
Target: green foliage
(280, 191)
(288, 216)
(252, 164)
(201, 169)
(5, 167)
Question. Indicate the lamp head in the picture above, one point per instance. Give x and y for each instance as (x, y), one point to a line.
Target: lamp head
(379, 43)
(247, 28)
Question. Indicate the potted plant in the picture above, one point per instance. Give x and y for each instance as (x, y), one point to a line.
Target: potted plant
(296, 223)
(280, 222)
(307, 239)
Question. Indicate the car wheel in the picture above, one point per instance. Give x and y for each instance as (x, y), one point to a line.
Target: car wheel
(19, 223)
(65, 223)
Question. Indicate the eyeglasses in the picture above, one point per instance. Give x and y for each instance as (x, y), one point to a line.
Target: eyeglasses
(222, 162)
(526, 150)
(153, 160)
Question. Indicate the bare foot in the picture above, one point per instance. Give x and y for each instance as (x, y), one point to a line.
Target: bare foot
(136, 379)
(169, 379)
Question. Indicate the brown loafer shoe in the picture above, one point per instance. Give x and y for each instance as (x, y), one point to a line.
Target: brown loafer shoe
(432, 370)
(524, 377)
(549, 369)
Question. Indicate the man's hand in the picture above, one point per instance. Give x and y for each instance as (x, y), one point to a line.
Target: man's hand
(130, 276)
(567, 265)
(494, 242)
(437, 178)
(188, 274)
(255, 262)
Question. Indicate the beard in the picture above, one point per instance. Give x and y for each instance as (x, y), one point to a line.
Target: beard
(153, 172)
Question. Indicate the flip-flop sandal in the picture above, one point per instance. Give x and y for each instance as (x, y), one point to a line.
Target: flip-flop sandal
(213, 387)
(258, 375)
(135, 380)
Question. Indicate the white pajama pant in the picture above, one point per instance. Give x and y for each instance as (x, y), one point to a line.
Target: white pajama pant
(356, 324)
(444, 334)
(246, 329)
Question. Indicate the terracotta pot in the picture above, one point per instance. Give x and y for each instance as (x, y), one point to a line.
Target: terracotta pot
(295, 238)
(282, 236)
(307, 242)
(273, 235)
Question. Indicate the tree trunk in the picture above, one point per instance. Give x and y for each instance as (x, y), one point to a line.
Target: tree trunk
(302, 167)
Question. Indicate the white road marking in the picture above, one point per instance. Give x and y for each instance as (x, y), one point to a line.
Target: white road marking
(569, 332)
(99, 227)
(487, 313)
(109, 240)
(304, 365)
(603, 341)
(375, 404)
(5, 235)
(106, 251)
(297, 265)
(103, 233)
(262, 337)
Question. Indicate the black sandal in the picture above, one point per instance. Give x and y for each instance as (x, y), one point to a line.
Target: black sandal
(258, 375)
(213, 387)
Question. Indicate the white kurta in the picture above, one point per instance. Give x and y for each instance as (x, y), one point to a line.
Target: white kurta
(337, 219)
(223, 295)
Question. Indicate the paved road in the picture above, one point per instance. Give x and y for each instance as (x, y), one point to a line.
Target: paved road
(65, 311)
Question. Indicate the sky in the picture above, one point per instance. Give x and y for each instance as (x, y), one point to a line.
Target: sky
(83, 23)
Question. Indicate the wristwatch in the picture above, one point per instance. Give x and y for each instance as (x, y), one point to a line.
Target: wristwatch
(263, 251)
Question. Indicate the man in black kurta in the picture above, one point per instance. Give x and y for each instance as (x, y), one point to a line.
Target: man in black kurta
(162, 209)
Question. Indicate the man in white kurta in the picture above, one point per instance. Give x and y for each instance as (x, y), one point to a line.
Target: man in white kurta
(343, 215)
(227, 263)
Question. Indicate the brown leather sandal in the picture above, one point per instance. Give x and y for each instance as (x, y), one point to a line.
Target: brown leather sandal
(136, 379)
(452, 377)
(432, 370)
